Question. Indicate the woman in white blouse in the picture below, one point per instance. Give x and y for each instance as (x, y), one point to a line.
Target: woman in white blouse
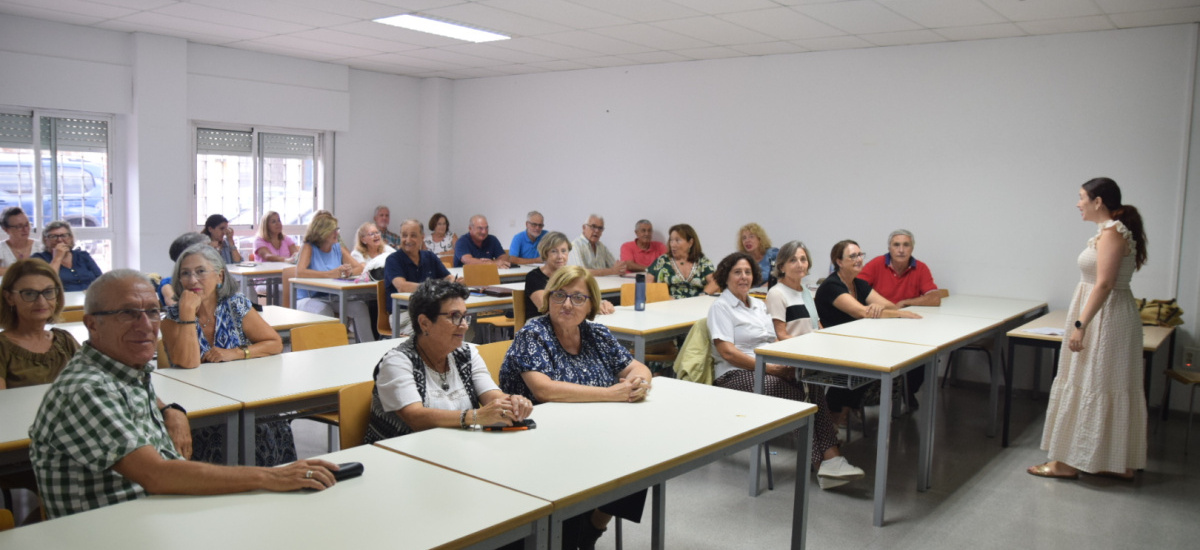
(369, 248)
(18, 245)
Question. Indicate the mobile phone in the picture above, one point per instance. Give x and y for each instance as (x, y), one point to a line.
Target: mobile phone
(527, 424)
(348, 470)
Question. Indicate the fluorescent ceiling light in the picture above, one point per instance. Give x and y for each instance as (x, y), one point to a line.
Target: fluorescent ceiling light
(440, 28)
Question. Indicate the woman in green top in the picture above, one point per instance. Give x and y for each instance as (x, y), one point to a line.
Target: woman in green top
(685, 268)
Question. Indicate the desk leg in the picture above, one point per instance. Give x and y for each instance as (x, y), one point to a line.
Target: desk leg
(800, 502)
(556, 534)
(639, 348)
(1166, 403)
(658, 521)
(246, 454)
(760, 366)
(882, 446)
(232, 437)
(539, 539)
(1008, 390)
(926, 424)
(295, 303)
(342, 313)
(996, 368)
(247, 288)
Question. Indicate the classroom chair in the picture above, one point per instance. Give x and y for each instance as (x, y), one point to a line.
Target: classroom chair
(73, 316)
(383, 322)
(977, 346)
(447, 259)
(493, 357)
(1187, 378)
(486, 275)
(321, 335)
(519, 315)
(663, 352)
(6, 520)
(163, 361)
(354, 410)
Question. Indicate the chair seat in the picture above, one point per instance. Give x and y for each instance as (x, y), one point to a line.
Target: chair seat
(330, 418)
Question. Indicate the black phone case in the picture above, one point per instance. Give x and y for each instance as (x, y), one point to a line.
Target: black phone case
(348, 470)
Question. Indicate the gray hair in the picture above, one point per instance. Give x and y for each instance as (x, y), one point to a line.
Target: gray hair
(55, 225)
(420, 226)
(471, 222)
(99, 288)
(787, 252)
(642, 221)
(590, 216)
(210, 254)
(904, 232)
(550, 241)
(381, 207)
(533, 213)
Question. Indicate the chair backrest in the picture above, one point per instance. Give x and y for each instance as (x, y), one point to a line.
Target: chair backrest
(320, 335)
(287, 274)
(384, 323)
(164, 362)
(481, 275)
(6, 519)
(655, 292)
(695, 362)
(447, 259)
(354, 409)
(72, 316)
(493, 356)
(518, 310)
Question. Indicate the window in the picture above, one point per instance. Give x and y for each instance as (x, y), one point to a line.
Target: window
(243, 174)
(71, 179)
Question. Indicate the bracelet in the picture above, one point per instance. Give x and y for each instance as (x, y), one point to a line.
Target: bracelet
(192, 322)
(474, 417)
(246, 350)
(462, 419)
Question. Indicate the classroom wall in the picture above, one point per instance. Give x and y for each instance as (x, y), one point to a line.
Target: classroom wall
(977, 147)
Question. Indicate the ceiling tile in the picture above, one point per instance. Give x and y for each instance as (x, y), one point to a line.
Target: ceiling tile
(714, 52)
(409, 61)
(136, 4)
(1020, 10)
(494, 51)
(593, 42)
(769, 48)
(858, 17)
(455, 58)
(940, 13)
(782, 23)
(518, 69)
(1068, 24)
(564, 13)
(642, 11)
(417, 5)
(835, 43)
(726, 6)
(1160, 17)
(651, 36)
(563, 65)
(903, 38)
(320, 48)
(492, 19)
(50, 15)
(354, 40)
(77, 7)
(217, 16)
(548, 49)
(1122, 6)
(713, 30)
(276, 10)
(156, 23)
(357, 9)
(981, 32)
(656, 57)
(608, 61)
(478, 72)
(282, 50)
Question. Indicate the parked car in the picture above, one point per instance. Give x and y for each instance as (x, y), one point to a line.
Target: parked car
(81, 190)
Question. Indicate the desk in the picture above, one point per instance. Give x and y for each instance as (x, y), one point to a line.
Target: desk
(283, 318)
(269, 272)
(577, 464)
(73, 300)
(398, 502)
(1153, 338)
(659, 321)
(279, 384)
(204, 408)
(864, 358)
(513, 274)
(343, 289)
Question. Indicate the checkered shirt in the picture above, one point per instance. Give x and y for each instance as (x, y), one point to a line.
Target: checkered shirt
(95, 413)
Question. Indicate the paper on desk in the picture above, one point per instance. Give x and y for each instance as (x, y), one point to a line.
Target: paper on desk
(1048, 331)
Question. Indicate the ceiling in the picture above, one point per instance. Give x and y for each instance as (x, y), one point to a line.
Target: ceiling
(563, 35)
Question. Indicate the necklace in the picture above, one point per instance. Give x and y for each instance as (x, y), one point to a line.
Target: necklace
(443, 377)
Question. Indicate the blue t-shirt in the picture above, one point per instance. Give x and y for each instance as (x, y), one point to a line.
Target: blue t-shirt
(490, 250)
(398, 264)
(599, 363)
(321, 261)
(80, 275)
(522, 248)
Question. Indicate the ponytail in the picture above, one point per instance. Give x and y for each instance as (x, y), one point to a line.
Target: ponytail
(1128, 215)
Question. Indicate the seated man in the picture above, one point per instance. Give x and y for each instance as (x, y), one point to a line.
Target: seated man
(524, 247)
(102, 436)
(587, 250)
(639, 253)
(383, 216)
(477, 247)
(904, 281)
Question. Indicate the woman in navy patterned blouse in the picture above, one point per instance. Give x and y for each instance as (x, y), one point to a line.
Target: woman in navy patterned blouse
(563, 356)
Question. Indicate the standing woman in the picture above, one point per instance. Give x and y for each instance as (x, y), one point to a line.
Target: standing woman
(30, 354)
(216, 227)
(1096, 417)
(18, 245)
(440, 239)
(272, 245)
(75, 266)
(685, 268)
(753, 240)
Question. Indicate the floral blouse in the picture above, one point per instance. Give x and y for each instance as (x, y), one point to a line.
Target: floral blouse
(664, 270)
(599, 363)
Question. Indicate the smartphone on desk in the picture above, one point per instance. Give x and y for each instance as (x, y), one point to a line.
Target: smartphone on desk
(527, 424)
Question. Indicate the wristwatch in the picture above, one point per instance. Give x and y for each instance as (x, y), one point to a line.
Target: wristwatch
(246, 351)
(176, 406)
(1078, 324)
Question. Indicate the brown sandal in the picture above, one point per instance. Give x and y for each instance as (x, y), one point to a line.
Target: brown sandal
(1047, 470)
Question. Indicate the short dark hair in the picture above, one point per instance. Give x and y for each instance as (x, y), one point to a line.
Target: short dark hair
(721, 276)
(212, 222)
(9, 213)
(838, 249)
(427, 299)
(434, 219)
(184, 242)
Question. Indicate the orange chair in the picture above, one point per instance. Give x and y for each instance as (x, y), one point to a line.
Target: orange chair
(383, 323)
(485, 275)
(354, 410)
(321, 335)
(493, 357)
(72, 316)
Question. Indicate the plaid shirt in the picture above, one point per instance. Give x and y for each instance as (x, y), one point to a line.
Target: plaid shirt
(95, 413)
(392, 239)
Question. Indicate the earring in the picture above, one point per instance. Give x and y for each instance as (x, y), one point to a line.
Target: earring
(219, 285)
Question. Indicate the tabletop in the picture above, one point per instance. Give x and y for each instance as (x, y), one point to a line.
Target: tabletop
(509, 275)
(987, 307)
(658, 315)
(18, 408)
(258, 268)
(1153, 337)
(398, 502)
(73, 300)
(941, 331)
(284, 318)
(331, 284)
(862, 353)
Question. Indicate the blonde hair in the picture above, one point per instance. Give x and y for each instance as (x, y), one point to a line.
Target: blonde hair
(764, 241)
(358, 239)
(320, 228)
(566, 276)
(264, 224)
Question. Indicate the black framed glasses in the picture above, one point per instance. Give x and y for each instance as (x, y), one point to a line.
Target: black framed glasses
(560, 297)
(596, 227)
(31, 295)
(57, 236)
(457, 318)
(133, 315)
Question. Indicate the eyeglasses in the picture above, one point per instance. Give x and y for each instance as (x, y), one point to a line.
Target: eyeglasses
(134, 315)
(57, 236)
(457, 318)
(560, 297)
(858, 256)
(30, 295)
(596, 227)
(22, 226)
(374, 234)
(537, 225)
(198, 274)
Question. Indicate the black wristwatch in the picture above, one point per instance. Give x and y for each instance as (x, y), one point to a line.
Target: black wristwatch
(1078, 324)
(176, 406)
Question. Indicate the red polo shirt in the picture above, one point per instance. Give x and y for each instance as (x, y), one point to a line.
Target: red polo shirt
(916, 280)
(631, 252)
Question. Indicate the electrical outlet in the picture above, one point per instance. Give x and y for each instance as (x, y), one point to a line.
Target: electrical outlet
(1189, 358)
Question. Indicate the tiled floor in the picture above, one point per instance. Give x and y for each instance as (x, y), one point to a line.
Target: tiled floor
(981, 496)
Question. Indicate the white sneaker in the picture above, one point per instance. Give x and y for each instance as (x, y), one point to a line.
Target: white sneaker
(836, 472)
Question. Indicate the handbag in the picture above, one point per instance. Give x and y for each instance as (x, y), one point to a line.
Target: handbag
(1162, 313)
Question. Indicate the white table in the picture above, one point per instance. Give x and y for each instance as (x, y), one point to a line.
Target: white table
(283, 318)
(659, 321)
(271, 273)
(583, 455)
(509, 275)
(281, 384)
(73, 300)
(204, 408)
(344, 290)
(398, 503)
(864, 359)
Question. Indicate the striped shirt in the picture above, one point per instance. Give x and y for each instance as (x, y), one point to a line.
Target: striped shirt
(95, 413)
